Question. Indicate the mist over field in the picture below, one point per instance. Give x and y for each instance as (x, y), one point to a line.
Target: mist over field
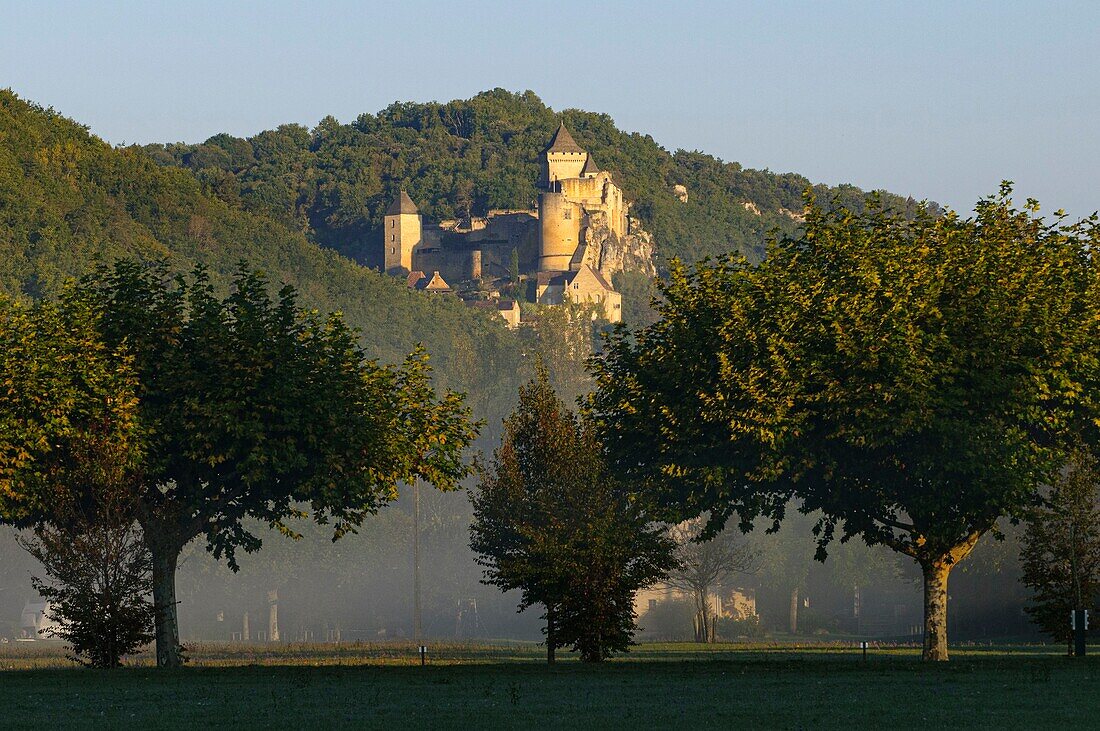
(361, 587)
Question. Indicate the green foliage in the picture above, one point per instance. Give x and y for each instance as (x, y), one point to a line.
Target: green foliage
(70, 438)
(913, 379)
(251, 406)
(470, 156)
(563, 338)
(1061, 550)
(733, 628)
(68, 409)
(639, 292)
(69, 202)
(98, 580)
(550, 521)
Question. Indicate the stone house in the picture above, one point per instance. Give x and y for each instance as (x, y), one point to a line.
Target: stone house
(586, 285)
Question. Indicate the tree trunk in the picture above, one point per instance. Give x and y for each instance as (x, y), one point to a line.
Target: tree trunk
(935, 609)
(550, 639)
(794, 611)
(699, 623)
(936, 569)
(164, 605)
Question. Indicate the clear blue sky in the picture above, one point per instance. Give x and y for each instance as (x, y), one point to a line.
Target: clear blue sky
(938, 100)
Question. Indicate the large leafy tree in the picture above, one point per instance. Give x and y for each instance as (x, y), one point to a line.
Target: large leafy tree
(1061, 549)
(550, 521)
(914, 379)
(251, 407)
(69, 440)
(68, 408)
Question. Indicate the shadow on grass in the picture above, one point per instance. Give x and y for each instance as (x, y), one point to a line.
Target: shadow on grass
(509, 686)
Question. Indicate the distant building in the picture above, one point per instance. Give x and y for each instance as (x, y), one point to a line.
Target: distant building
(403, 232)
(575, 193)
(726, 603)
(576, 231)
(434, 283)
(508, 309)
(586, 285)
(35, 621)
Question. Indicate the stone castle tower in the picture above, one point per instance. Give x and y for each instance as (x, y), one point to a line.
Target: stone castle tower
(403, 230)
(562, 159)
(576, 197)
(580, 219)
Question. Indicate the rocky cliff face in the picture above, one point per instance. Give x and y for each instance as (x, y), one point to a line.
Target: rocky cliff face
(609, 253)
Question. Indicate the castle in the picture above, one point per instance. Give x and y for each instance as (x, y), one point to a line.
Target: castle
(568, 247)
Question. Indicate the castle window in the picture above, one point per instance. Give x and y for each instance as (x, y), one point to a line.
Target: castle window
(393, 250)
(393, 238)
(392, 223)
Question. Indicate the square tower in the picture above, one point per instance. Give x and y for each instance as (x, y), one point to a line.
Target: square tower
(402, 233)
(563, 159)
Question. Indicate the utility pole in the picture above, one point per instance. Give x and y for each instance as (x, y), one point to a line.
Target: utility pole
(273, 615)
(418, 634)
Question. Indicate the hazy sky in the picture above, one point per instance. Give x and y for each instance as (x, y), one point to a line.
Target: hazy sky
(938, 100)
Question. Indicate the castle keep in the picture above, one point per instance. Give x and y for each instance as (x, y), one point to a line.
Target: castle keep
(576, 197)
(568, 247)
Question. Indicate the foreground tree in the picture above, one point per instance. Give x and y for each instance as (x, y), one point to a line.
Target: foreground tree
(68, 408)
(703, 565)
(97, 576)
(69, 441)
(1061, 549)
(551, 522)
(251, 407)
(914, 380)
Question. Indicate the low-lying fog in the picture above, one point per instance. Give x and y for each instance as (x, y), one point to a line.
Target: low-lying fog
(361, 587)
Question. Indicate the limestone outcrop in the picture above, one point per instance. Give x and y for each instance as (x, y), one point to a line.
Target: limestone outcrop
(610, 253)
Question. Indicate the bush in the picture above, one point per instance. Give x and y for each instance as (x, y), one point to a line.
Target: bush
(98, 583)
(730, 628)
(669, 620)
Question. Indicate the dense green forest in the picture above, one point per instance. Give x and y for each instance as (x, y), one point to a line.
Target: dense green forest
(69, 200)
(466, 157)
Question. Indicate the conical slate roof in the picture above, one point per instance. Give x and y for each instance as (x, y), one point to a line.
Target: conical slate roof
(563, 141)
(402, 204)
(590, 167)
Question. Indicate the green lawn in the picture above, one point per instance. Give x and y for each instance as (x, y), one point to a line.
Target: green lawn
(657, 686)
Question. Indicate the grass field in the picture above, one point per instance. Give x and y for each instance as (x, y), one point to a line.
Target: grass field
(506, 685)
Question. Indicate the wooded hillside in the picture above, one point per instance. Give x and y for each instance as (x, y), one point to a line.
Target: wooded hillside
(466, 157)
(69, 200)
